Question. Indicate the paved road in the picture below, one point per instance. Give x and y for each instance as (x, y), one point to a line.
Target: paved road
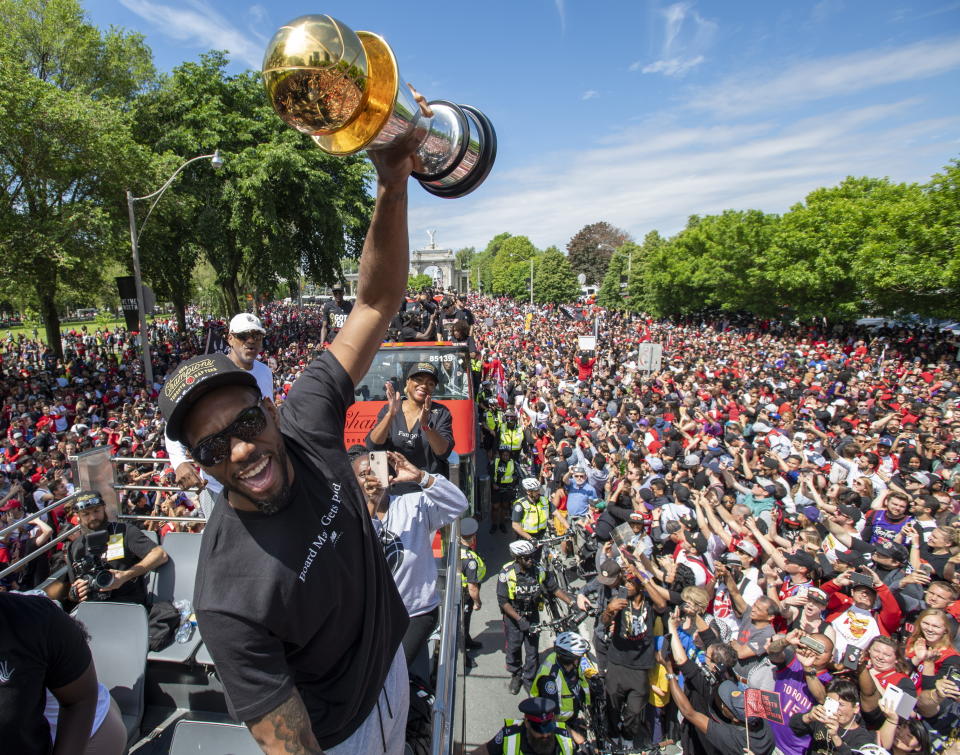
(487, 701)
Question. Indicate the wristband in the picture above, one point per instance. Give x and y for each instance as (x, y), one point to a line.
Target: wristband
(425, 480)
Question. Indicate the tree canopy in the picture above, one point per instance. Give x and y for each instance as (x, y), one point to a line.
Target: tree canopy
(590, 249)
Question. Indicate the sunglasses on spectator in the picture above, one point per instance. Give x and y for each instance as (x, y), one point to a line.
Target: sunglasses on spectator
(249, 335)
(213, 449)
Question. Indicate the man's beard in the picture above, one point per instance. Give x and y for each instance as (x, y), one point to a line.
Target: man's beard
(542, 745)
(281, 499)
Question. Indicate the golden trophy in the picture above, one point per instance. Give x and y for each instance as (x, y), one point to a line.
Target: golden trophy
(343, 88)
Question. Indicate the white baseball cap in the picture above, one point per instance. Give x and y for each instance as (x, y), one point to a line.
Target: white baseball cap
(245, 322)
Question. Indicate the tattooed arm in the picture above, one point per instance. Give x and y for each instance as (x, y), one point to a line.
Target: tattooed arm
(286, 729)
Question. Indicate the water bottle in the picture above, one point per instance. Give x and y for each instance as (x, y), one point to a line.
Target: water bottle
(187, 620)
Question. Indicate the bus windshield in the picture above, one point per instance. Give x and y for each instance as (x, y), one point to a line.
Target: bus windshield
(392, 364)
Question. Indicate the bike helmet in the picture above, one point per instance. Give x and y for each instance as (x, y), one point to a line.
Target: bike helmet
(522, 548)
(492, 402)
(572, 643)
(530, 483)
(87, 499)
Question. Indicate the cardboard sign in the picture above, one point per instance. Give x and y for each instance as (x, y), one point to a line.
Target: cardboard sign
(649, 356)
(762, 703)
(587, 343)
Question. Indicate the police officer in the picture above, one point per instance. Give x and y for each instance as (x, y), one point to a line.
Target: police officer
(562, 680)
(521, 589)
(531, 511)
(114, 555)
(539, 733)
(503, 483)
(510, 434)
(490, 423)
(472, 573)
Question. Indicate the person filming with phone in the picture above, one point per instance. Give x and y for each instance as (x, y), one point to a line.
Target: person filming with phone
(406, 524)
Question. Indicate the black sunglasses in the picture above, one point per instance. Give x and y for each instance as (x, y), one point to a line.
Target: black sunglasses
(215, 448)
(248, 335)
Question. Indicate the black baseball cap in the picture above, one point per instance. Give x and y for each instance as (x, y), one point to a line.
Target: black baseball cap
(851, 558)
(893, 551)
(608, 573)
(802, 558)
(851, 512)
(422, 368)
(194, 379)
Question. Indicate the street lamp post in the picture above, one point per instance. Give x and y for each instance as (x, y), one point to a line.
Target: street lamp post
(531, 281)
(216, 161)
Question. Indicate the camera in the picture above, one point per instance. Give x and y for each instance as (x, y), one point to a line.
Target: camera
(815, 645)
(90, 567)
(862, 580)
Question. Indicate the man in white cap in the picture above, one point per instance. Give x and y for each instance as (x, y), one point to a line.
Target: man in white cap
(245, 338)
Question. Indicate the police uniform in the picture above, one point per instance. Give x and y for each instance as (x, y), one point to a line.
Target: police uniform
(504, 479)
(511, 437)
(525, 591)
(472, 571)
(540, 715)
(532, 515)
(570, 690)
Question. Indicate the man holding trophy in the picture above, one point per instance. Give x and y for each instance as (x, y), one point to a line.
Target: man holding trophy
(293, 596)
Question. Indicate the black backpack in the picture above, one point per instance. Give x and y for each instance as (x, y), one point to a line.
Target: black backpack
(164, 620)
(420, 717)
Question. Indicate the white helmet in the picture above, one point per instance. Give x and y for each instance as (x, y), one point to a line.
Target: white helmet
(522, 548)
(572, 643)
(530, 483)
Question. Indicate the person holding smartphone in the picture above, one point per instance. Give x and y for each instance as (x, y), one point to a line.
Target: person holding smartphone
(834, 726)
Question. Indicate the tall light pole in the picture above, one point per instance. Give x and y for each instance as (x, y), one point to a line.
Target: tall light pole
(531, 281)
(216, 161)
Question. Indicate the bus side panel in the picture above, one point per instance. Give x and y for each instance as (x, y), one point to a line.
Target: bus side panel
(362, 416)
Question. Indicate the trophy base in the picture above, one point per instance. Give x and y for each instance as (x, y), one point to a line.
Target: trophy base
(474, 164)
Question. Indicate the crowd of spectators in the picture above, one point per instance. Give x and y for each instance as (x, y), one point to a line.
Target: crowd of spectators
(793, 489)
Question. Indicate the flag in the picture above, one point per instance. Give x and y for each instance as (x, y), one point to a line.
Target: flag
(762, 703)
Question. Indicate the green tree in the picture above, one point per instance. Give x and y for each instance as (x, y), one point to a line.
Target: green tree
(66, 151)
(505, 270)
(590, 249)
(554, 281)
(484, 261)
(419, 282)
(277, 209)
(463, 259)
(811, 262)
(612, 291)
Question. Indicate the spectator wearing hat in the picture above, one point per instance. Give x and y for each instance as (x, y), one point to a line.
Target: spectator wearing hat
(737, 585)
(601, 588)
(334, 314)
(578, 490)
(890, 562)
(413, 424)
(853, 618)
(245, 338)
(538, 733)
(801, 675)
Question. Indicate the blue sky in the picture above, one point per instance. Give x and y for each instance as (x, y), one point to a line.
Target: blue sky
(639, 113)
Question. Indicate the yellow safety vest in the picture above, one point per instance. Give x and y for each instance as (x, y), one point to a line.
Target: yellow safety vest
(476, 365)
(535, 515)
(509, 470)
(510, 570)
(551, 682)
(465, 555)
(490, 419)
(511, 438)
(513, 730)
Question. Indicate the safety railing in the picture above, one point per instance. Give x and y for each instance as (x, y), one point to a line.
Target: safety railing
(24, 522)
(444, 705)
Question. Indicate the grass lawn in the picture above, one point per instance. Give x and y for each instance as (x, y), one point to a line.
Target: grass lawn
(65, 325)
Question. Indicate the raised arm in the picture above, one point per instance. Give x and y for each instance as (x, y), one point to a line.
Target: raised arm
(383, 267)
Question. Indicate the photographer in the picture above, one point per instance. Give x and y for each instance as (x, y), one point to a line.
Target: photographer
(107, 549)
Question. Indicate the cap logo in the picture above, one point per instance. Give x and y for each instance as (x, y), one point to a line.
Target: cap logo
(188, 375)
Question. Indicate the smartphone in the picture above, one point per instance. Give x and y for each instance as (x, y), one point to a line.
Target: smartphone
(379, 467)
(815, 645)
(831, 705)
(899, 700)
(851, 658)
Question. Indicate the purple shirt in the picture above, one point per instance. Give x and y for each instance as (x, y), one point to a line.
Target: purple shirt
(795, 698)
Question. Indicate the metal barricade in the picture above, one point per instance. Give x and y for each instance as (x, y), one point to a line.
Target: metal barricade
(444, 706)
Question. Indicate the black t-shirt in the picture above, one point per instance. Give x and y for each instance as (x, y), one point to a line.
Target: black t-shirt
(412, 443)
(40, 648)
(136, 546)
(335, 315)
(731, 739)
(303, 597)
(632, 639)
(820, 740)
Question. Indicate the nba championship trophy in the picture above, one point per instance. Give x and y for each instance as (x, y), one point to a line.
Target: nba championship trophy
(343, 88)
